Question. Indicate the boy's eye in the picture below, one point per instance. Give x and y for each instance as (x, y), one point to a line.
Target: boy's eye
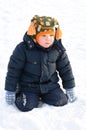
(49, 35)
(44, 35)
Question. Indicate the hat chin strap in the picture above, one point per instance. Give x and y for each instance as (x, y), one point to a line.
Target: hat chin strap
(58, 33)
(31, 30)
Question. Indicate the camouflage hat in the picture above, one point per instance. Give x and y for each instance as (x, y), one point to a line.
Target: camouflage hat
(42, 24)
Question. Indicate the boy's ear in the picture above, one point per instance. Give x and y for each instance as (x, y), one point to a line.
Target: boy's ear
(58, 33)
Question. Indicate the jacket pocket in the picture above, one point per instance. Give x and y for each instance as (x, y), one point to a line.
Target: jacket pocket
(33, 67)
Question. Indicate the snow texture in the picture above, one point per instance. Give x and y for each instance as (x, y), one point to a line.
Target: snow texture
(15, 16)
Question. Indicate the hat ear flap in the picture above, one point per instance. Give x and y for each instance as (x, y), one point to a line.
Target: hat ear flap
(31, 30)
(58, 33)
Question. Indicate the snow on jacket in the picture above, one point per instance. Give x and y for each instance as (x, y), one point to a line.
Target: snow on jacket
(32, 67)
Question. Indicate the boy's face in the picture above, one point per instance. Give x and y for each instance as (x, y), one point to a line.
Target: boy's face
(46, 40)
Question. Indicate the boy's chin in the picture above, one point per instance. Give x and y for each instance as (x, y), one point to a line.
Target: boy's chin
(47, 46)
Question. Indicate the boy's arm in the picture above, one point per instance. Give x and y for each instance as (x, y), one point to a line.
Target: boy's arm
(15, 66)
(65, 70)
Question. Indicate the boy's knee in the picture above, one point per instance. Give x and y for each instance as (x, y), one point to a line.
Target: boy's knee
(24, 104)
(56, 98)
(25, 108)
(61, 101)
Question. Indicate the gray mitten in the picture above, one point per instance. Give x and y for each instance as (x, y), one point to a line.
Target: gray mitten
(71, 95)
(10, 97)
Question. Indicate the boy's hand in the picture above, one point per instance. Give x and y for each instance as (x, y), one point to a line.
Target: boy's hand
(71, 95)
(10, 97)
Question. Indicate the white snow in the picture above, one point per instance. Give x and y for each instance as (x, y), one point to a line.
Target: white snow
(15, 16)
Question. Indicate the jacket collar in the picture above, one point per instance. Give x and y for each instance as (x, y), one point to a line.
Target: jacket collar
(29, 42)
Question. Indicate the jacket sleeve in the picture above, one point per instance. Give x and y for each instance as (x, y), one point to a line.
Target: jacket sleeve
(15, 67)
(64, 69)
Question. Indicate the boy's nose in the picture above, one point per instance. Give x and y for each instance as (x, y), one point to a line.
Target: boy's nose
(47, 37)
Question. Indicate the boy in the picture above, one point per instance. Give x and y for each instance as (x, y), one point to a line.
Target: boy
(34, 67)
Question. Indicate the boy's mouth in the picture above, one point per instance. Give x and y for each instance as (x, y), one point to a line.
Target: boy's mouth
(47, 43)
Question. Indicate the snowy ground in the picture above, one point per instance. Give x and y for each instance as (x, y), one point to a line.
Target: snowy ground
(15, 17)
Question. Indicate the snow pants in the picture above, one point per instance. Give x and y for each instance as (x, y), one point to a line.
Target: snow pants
(26, 101)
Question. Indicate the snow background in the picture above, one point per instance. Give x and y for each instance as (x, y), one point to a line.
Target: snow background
(15, 16)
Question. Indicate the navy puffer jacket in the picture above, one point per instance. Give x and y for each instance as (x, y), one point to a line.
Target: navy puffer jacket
(33, 68)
